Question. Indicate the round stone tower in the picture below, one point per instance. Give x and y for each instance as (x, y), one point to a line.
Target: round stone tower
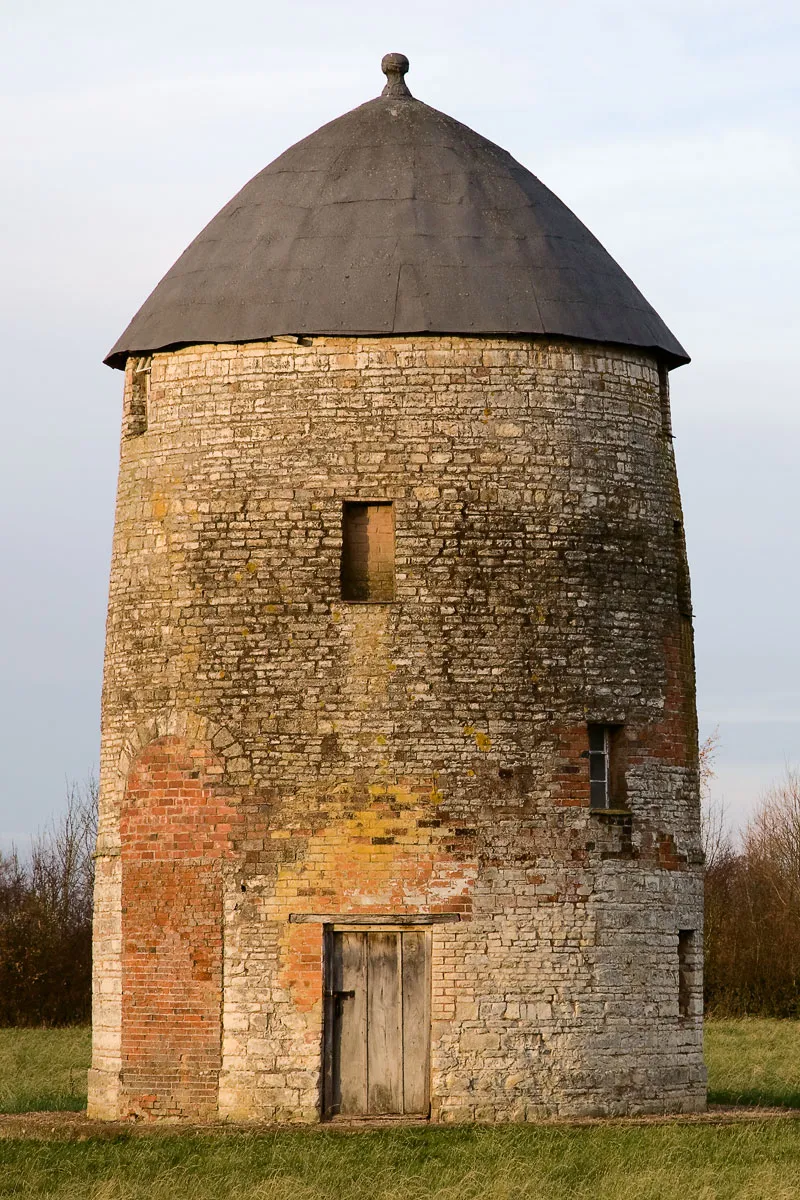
(399, 771)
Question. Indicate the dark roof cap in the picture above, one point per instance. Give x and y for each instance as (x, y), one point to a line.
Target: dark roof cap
(395, 219)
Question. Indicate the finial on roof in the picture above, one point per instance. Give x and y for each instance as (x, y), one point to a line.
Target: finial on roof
(394, 67)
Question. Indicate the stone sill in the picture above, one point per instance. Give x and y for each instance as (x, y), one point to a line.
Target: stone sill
(367, 918)
(369, 603)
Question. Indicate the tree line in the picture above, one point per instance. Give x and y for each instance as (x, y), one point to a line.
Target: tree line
(752, 904)
(46, 919)
(752, 911)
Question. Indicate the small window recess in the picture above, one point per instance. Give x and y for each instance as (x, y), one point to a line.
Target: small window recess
(140, 397)
(607, 787)
(367, 564)
(682, 584)
(663, 396)
(685, 972)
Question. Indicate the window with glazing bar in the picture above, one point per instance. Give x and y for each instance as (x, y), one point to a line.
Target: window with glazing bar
(137, 414)
(606, 769)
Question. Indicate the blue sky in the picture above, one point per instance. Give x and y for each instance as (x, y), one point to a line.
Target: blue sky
(670, 128)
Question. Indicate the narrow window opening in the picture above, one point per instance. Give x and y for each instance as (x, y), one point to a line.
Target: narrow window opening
(139, 397)
(607, 787)
(685, 970)
(367, 568)
(663, 395)
(683, 587)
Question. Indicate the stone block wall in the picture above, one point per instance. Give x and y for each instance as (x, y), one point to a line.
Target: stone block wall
(425, 756)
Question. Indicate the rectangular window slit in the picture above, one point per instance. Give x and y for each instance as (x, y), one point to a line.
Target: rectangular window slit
(683, 587)
(663, 395)
(685, 970)
(137, 416)
(367, 567)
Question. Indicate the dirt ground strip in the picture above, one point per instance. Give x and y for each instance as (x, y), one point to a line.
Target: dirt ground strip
(71, 1126)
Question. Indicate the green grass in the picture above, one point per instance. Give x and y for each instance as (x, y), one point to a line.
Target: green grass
(753, 1061)
(43, 1070)
(751, 1162)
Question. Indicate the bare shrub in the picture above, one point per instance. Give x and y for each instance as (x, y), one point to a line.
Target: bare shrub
(46, 919)
(713, 823)
(773, 837)
(753, 913)
(718, 855)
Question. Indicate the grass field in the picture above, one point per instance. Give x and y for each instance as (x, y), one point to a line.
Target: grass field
(749, 1061)
(43, 1070)
(753, 1061)
(667, 1162)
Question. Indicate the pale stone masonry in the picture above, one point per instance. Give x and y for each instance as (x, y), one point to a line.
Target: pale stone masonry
(272, 752)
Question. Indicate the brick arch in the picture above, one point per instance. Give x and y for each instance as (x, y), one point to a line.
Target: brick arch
(196, 730)
(178, 819)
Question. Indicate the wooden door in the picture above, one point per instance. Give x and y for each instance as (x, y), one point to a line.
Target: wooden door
(377, 1022)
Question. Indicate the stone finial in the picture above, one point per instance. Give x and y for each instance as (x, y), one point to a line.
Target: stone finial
(394, 67)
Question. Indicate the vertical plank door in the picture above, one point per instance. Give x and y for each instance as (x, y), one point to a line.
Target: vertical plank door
(377, 1043)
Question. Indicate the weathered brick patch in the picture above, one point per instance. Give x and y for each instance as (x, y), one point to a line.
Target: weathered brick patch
(175, 830)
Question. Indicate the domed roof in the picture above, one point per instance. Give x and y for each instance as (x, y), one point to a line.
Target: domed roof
(394, 219)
